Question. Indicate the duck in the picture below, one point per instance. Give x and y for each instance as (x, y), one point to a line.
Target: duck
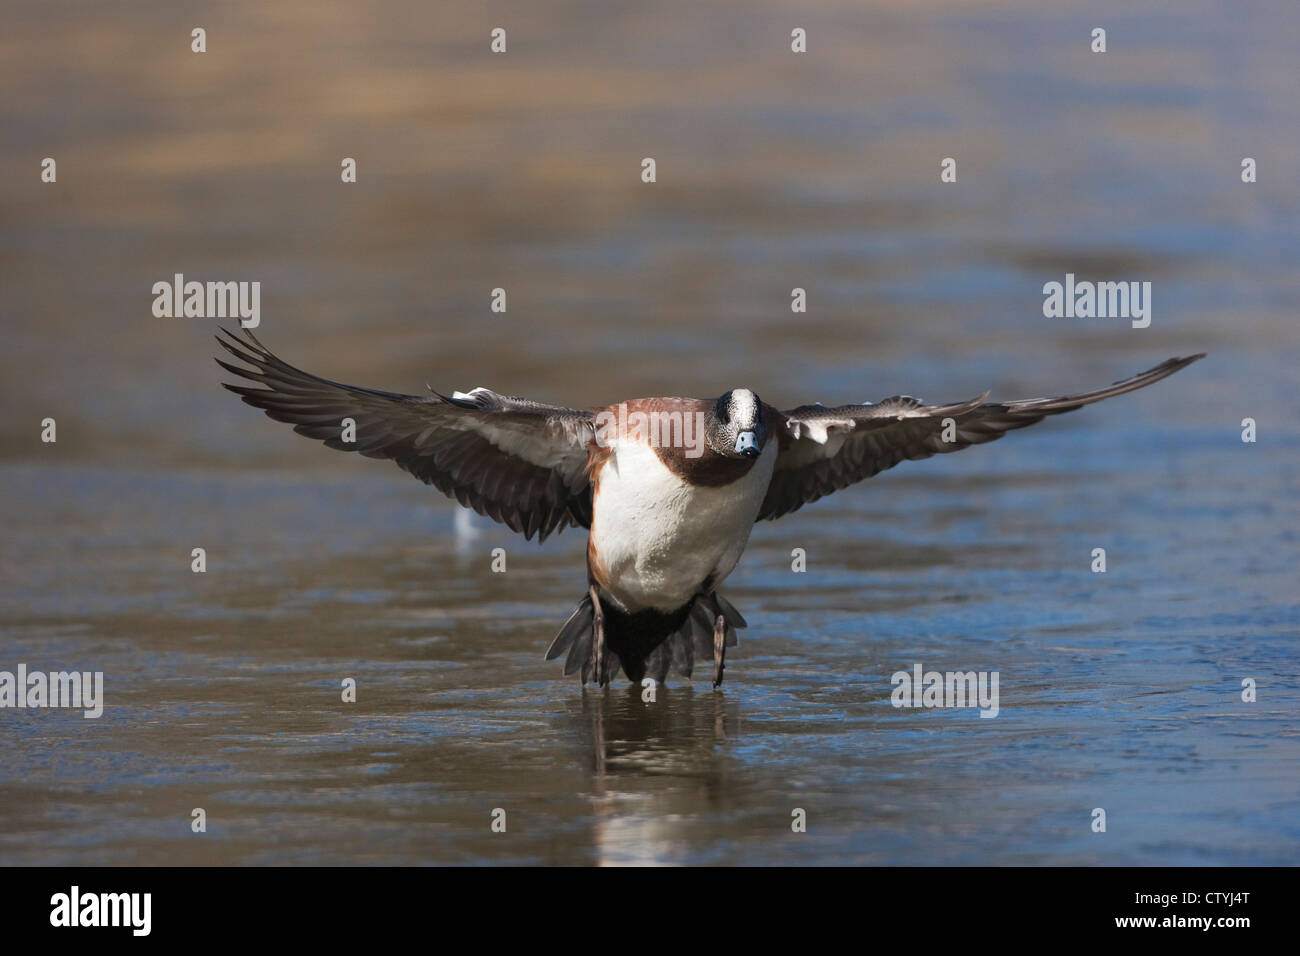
(668, 489)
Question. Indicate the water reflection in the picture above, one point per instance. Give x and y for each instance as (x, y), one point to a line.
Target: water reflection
(655, 766)
(625, 733)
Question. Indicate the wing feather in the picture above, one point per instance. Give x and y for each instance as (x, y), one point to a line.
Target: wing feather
(516, 461)
(825, 449)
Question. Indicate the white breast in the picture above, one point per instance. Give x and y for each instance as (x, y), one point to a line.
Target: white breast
(660, 538)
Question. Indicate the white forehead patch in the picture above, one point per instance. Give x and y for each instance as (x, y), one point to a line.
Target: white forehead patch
(743, 406)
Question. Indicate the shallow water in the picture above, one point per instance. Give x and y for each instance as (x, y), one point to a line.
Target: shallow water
(1118, 690)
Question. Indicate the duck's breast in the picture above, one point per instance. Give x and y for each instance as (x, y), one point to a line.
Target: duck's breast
(656, 537)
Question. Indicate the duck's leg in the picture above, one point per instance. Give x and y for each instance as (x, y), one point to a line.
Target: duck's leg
(597, 638)
(719, 648)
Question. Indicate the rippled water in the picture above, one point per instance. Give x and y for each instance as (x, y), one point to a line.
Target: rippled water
(1119, 691)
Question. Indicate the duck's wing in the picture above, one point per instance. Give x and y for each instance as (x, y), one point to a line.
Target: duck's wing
(517, 461)
(825, 449)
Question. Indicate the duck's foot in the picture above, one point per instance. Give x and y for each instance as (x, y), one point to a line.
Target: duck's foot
(597, 639)
(719, 648)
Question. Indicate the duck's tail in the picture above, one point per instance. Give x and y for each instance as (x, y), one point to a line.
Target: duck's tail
(647, 643)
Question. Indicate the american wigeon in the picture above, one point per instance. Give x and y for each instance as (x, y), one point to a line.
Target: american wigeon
(669, 487)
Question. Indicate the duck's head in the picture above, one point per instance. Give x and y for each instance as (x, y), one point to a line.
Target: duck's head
(734, 426)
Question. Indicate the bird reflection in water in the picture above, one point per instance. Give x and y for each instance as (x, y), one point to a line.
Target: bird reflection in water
(659, 769)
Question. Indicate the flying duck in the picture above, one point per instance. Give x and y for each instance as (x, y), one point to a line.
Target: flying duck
(669, 488)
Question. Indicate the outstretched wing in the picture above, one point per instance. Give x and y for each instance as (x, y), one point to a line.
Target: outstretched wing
(825, 449)
(519, 462)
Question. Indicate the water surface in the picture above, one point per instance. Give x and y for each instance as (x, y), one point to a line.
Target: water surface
(1118, 690)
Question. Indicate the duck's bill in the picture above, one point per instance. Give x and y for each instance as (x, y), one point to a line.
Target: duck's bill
(747, 444)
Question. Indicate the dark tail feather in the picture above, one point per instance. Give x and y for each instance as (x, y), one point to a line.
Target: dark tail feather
(578, 654)
(659, 660)
(682, 650)
(734, 617)
(577, 637)
(579, 621)
(677, 652)
(704, 613)
(694, 638)
(701, 631)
